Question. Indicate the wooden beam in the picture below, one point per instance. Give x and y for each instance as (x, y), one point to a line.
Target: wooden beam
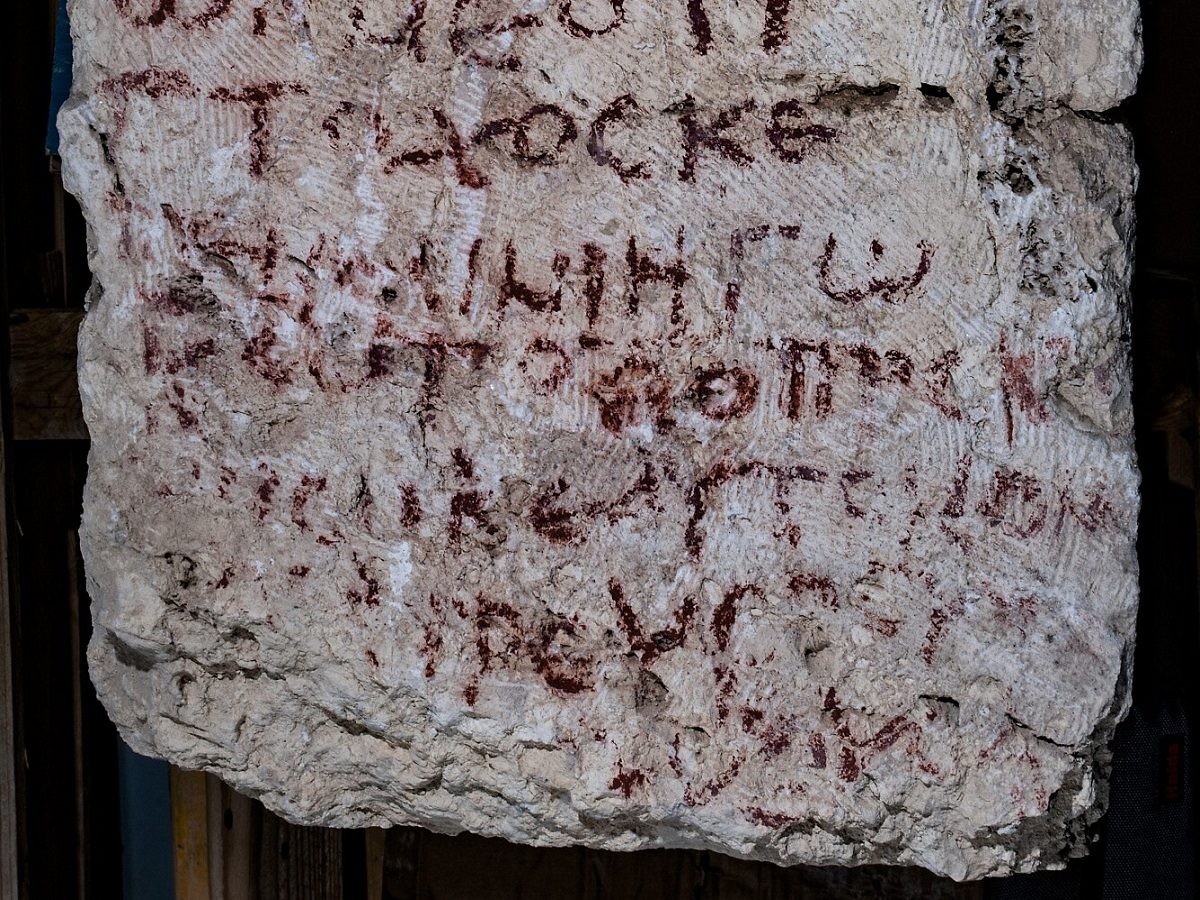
(309, 863)
(241, 843)
(228, 847)
(189, 815)
(376, 839)
(42, 375)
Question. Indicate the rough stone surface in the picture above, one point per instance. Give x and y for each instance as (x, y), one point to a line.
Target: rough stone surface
(693, 423)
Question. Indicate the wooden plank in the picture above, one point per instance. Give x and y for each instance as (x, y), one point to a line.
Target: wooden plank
(240, 835)
(376, 849)
(420, 865)
(42, 375)
(228, 847)
(309, 863)
(189, 815)
(216, 837)
(268, 868)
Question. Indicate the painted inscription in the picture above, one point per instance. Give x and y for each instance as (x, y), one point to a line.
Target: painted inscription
(767, 409)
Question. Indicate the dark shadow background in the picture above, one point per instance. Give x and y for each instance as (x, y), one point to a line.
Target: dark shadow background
(70, 823)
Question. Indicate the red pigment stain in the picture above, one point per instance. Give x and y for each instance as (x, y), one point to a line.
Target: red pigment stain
(760, 816)
(726, 613)
(643, 270)
(724, 471)
(726, 682)
(818, 586)
(559, 371)
(713, 787)
(791, 133)
(332, 123)
(521, 127)
(890, 290)
(471, 691)
(557, 671)
(380, 358)
(941, 373)
(633, 392)
(193, 354)
(228, 479)
(550, 521)
(420, 269)
(626, 781)
(890, 733)
(266, 494)
(490, 614)
(1016, 384)
(188, 420)
(938, 620)
(545, 646)
(615, 112)
(257, 352)
(663, 641)
(850, 480)
(466, 505)
(820, 757)
(173, 301)
(462, 463)
(468, 296)
(557, 523)
(712, 136)
(750, 719)
(259, 98)
(1098, 512)
(792, 356)
(369, 593)
(722, 393)
(885, 627)
(1021, 495)
(955, 505)
(151, 350)
(737, 252)
(701, 28)
(153, 82)
(410, 506)
(309, 485)
(432, 644)
(849, 769)
(1019, 615)
(776, 739)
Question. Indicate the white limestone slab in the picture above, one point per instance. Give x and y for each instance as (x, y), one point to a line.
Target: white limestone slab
(693, 424)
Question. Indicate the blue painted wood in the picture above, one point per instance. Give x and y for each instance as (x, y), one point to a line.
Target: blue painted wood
(147, 847)
(60, 77)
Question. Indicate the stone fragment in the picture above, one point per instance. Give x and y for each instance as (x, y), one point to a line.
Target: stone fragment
(628, 423)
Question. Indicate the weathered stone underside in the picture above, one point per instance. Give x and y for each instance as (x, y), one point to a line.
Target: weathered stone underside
(685, 423)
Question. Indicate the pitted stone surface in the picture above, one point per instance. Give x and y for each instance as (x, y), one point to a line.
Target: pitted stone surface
(695, 424)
